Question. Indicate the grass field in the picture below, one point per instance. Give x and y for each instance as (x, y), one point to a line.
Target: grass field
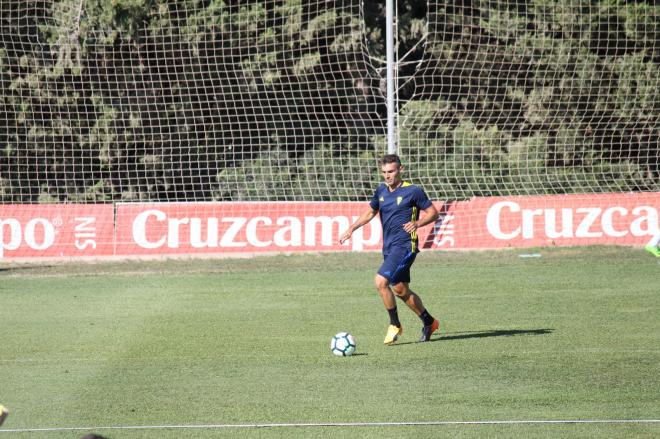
(571, 335)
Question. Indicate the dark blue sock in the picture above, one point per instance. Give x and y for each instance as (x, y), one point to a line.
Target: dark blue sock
(394, 317)
(426, 318)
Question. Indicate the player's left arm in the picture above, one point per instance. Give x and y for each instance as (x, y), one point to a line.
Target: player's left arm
(421, 200)
(430, 216)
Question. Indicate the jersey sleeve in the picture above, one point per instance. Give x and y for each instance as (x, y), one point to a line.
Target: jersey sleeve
(374, 201)
(421, 199)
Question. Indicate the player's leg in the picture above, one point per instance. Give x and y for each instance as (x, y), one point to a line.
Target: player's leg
(386, 294)
(394, 330)
(382, 282)
(409, 297)
(400, 281)
(652, 245)
(3, 413)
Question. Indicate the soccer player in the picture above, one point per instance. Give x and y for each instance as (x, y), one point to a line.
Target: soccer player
(653, 245)
(399, 204)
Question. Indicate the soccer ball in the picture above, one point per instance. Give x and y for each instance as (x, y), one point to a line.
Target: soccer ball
(342, 344)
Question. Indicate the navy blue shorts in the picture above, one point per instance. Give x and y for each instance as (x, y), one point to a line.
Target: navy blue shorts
(396, 265)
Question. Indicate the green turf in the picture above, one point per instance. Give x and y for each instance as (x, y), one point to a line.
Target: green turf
(571, 335)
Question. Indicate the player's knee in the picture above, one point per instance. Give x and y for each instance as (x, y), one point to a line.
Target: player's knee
(381, 282)
(401, 291)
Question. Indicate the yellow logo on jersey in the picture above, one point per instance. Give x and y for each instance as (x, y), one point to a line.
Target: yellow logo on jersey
(381, 199)
(398, 200)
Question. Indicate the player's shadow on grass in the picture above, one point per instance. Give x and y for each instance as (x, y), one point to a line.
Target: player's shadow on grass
(494, 333)
(25, 268)
(449, 336)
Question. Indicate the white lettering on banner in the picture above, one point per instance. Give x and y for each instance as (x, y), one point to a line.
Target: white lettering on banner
(589, 219)
(493, 220)
(84, 232)
(608, 223)
(139, 229)
(251, 231)
(173, 225)
(581, 222)
(648, 216)
(566, 224)
(289, 236)
(15, 235)
(28, 234)
(528, 222)
(443, 231)
(290, 231)
(48, 232)
(228, 239)
(211, 232)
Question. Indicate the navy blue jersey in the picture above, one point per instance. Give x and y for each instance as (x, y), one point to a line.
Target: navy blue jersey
(396, 208)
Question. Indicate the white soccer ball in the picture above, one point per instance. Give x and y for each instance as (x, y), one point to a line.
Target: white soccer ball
(342, 344)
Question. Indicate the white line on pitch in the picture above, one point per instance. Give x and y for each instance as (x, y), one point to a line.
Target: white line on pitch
(339, 424)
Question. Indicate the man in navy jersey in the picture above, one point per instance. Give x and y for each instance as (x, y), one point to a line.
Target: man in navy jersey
(399, 204)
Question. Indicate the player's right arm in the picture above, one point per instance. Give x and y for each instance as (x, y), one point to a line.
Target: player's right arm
(367, 216)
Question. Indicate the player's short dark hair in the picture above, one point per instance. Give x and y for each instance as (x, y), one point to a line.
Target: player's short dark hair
(390, 158)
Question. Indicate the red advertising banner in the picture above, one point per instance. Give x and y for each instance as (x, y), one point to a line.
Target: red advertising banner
(492, 222)
(138, 229)
(207, 228)
(56, 230)
(538, 221)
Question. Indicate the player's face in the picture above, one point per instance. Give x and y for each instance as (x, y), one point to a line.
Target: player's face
(391, 174)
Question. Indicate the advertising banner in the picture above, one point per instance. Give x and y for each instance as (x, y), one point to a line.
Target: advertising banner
(214, 228)
(56, 230)
(207, 228)
(556, 220)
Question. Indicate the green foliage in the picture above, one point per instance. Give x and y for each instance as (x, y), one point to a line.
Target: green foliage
(589, 95)
(486, 161)
(200, 100)
(280, 177)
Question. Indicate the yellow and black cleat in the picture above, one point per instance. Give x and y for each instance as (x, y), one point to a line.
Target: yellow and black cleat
(393, 333)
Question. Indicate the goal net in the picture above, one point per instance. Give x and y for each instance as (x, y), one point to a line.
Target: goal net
(186, 100)
(284, 100)
(534, 97)
(547, 111)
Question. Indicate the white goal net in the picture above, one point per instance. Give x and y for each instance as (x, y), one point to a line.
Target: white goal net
(534, 97)
(186, 100)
